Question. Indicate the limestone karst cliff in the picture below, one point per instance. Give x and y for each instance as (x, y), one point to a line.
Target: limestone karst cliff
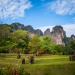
(72, 37)
(28, 28)
(57, 34)
(47, 32)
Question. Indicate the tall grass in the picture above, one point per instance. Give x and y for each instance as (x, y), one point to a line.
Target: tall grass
(43, 65)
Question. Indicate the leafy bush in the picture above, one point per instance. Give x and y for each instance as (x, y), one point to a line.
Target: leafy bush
(9, 70)
(22, 72)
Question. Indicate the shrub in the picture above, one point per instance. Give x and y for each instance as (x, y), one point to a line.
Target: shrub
(22, 72)
(40, 52)
(9, 70)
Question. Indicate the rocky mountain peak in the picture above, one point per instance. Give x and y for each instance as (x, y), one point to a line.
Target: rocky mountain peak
(57, 34)
(29, 28)
(47, 32)
(17, 25)
(39, 32)
(58, 29)
(72, 37)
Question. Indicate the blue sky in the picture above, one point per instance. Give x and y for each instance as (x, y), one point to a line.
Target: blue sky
(40, 14)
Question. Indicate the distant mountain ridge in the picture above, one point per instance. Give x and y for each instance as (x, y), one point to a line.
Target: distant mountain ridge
(28, 28)
(58, 34)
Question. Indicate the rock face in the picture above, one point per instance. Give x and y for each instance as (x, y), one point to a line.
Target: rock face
(47, 32)
(57, 34)
(72, 37)
(17, 26)
(28, 28)
(39, 32)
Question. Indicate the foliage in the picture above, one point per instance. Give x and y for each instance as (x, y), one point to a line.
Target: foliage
(20, 41)
(34, 44)
(9, 70)
(72, 44)
(69, 48)
(66, 40)
(47, 44)
(4, 32)
(58, 48)
(21, 38)
(23, 72)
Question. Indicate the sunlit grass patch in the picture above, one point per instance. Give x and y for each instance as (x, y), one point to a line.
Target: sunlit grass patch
(43, 65)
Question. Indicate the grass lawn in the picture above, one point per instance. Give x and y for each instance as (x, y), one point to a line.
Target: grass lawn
(43, 65)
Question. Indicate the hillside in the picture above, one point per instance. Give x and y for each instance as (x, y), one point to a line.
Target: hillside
(58, 34)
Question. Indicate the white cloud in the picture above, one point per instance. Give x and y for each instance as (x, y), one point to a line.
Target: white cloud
(45, 27)
(62, 6)
(13, 8)
(68, 28)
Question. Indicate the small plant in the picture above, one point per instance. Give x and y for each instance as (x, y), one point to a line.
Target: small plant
(9, 70)
(0, 71)
(22, 72)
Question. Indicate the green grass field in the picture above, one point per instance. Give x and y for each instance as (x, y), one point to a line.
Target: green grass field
(43, 65)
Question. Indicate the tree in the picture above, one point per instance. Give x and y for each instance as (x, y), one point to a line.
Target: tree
(67, 50)
(21, 38)
(69, 47)
(5, 31)
(47, 44)
(72, 45)
(34, 44)
(58, 48)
